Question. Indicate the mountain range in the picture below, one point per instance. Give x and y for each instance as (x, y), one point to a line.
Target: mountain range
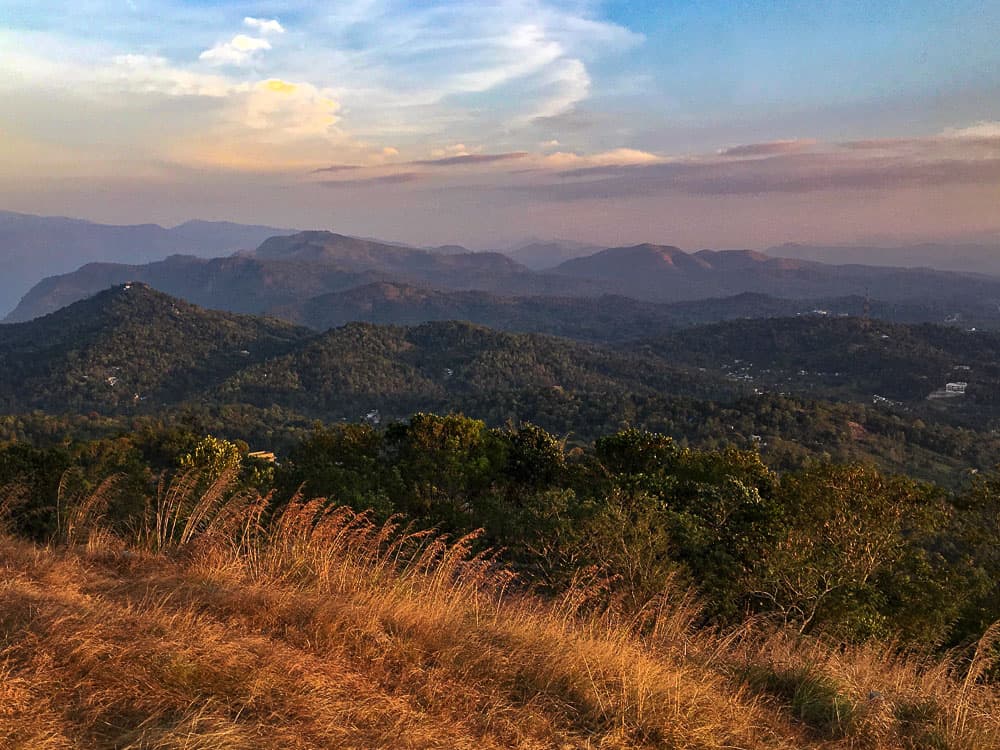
(664, 273)
(286, 269)
(168, 350)
(607, 318)
(34, 247)
(300, 276)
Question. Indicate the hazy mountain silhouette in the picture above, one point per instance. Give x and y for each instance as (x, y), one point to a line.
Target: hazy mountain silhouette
(961, 257)
(288, 269)
(34, 247)
(664, 273)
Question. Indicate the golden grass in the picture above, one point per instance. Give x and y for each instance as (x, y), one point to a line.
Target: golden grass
(209, 628)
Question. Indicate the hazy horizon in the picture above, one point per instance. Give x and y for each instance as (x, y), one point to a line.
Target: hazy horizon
(514, 242)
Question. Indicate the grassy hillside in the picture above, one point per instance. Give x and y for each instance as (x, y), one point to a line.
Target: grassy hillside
(321, 630)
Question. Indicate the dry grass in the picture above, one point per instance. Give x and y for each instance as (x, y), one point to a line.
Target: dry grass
(210, 628)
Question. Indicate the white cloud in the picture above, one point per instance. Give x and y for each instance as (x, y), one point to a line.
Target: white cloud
(981, 129)
(237, 51)
(455, 149)
(614, 157)
(264, 25)
(290, 110)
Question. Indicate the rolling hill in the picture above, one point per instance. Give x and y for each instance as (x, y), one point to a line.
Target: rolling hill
(129, 347)
(442, 366)
(134, 348)
(608, 318)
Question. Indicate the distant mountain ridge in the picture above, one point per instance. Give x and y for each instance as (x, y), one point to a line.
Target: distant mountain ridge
(287, 269)
(296, 275)
(943, 256)
(665, 273)
(607, 318)
(543, 255)
(35, 247)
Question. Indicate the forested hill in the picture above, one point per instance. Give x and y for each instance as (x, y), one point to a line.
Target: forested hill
(133, 348)
(358, 368)
(606, 318)
(134, 353)
(845, 357)
(127, 346)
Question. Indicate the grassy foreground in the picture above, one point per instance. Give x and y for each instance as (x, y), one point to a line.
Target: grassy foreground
(206, 627)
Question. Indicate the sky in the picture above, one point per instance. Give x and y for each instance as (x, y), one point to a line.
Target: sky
(699, 123)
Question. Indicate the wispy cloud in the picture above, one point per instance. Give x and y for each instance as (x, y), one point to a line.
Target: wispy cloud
(469, 159)
(982, 129)
(769, 148)
(403, 75)
(336, 168)
(399, 178)
(952, 158)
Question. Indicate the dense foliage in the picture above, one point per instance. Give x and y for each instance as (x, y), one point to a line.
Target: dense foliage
(135, 357)
(851, 359)
(842, 548)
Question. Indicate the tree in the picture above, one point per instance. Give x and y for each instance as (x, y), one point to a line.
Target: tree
(855, 556)
(214, 456)
(443, 466)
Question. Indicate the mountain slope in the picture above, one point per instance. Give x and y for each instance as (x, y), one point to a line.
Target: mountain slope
(332, 639)
(34, 247)
(132, 347)
(126, 346)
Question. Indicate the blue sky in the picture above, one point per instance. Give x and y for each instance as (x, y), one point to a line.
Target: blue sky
(140, 110)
